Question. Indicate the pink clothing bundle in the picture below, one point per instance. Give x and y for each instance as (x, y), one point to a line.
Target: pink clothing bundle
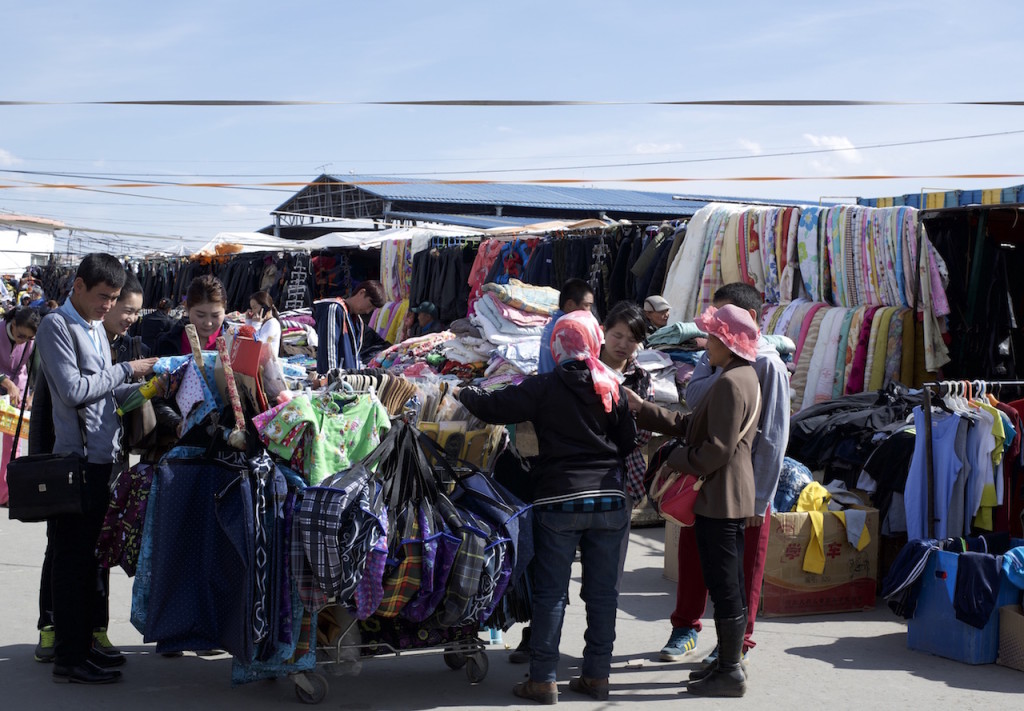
(517, 316)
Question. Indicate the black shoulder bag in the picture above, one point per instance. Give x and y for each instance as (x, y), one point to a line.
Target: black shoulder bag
(44, 485)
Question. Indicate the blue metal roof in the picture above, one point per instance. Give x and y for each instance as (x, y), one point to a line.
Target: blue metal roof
(522, 195)
(482, 222)
(413, 196)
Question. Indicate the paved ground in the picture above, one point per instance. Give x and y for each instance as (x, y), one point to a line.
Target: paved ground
(847, 661)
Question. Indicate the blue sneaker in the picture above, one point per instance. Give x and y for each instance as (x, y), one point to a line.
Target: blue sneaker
(681, 642)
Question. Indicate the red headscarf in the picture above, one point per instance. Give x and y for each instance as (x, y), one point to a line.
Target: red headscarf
(577, 336)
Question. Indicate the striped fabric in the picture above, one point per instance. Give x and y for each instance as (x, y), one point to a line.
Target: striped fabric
(587, 504)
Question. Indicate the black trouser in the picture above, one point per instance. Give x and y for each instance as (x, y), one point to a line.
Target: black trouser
(73, 543)
(101, 609)
(720, 544)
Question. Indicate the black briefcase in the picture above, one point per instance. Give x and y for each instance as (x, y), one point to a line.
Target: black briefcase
(45, 485)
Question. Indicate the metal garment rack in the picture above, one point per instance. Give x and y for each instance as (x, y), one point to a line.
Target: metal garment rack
(942, 388)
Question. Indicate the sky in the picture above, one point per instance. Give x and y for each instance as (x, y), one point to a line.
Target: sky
(930, 53)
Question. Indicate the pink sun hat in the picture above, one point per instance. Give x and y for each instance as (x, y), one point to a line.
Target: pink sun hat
(734, 327)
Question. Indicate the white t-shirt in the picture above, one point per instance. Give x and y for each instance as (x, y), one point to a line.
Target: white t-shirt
(270, 333)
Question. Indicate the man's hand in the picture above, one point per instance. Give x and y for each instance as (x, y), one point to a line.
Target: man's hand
(635, 401)
(12, 389)
(142, 367)
(755, 521)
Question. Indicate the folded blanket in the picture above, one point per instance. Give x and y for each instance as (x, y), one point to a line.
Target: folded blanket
(535, 299)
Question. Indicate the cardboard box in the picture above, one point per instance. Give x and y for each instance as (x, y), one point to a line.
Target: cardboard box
(847, 583)
(1011, 637)
(671, 551)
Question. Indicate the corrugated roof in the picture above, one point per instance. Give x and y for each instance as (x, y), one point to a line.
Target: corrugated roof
(412, 196)
(523, 195)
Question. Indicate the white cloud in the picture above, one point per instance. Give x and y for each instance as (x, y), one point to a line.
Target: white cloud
(235, 209)
(842, 146)
(8, 159)
(754, 148)
(657, 148)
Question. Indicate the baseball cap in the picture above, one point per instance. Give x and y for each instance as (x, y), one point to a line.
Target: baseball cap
(425, 308)
(656, 303)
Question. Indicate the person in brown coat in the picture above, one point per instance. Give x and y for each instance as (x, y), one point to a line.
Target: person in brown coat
(717, 439)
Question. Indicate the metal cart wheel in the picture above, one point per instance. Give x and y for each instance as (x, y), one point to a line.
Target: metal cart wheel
(476, 667)
(311, 688)
(455, 660)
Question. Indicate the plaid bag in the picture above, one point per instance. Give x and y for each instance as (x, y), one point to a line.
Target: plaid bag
(402, 578)
(121, 536)
(467, 565)
(370, 590)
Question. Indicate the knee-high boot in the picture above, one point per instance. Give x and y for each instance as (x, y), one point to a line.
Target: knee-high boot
(727, 677)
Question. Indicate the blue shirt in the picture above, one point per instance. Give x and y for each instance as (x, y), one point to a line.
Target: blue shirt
(546, 361)
(97, 334)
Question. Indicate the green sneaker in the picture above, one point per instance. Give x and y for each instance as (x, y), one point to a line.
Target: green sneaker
(44, 650)
(107, 654)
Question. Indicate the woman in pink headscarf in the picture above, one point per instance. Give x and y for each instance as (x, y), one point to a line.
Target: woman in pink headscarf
(717, 442)
(584, 431)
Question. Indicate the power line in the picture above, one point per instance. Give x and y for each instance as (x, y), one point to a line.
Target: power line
(632, 164)
(513, 103)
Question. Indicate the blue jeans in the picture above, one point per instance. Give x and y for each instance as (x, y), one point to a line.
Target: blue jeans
(602, 538)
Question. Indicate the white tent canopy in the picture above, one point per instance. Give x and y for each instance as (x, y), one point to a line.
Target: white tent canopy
(258, 242)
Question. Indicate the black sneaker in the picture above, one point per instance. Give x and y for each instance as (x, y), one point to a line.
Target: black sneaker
(44, 650)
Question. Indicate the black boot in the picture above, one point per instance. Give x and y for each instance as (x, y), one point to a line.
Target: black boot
(727, 678)
(521, 654)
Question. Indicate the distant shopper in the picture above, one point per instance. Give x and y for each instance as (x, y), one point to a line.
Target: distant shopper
(155, 323)
(264, 318)
(340, 326)
(576, 295)
(16, 346)
(656, 310)
(426, 319)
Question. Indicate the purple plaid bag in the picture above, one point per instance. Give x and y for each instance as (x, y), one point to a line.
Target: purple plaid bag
(370, 590)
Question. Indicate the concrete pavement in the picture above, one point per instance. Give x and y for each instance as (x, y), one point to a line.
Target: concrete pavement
(844, 661)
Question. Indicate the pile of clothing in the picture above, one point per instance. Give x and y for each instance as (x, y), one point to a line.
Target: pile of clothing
(298, 332)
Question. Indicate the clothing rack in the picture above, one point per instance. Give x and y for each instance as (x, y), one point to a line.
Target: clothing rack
(942, 388)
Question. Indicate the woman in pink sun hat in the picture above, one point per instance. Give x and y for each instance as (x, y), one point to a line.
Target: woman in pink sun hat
(716, 444)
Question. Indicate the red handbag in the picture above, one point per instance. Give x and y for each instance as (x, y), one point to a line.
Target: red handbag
(674, 493)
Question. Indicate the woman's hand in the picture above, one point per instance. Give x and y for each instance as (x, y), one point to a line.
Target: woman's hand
(12, 389)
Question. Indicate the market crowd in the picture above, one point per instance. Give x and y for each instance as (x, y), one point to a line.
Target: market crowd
(590, 403)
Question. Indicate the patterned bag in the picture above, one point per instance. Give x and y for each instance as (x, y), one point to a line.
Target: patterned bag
(402, 579)
(370, 591)
(464, 577)
(121, 536)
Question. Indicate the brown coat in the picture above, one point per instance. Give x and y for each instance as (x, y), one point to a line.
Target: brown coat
(712, 441)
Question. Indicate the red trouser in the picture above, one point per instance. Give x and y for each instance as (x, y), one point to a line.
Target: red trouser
(692, 594)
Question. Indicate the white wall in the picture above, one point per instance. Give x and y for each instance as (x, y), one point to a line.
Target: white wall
(17, 247)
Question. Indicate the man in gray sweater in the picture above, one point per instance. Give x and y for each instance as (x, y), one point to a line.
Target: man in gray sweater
(85, 387)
